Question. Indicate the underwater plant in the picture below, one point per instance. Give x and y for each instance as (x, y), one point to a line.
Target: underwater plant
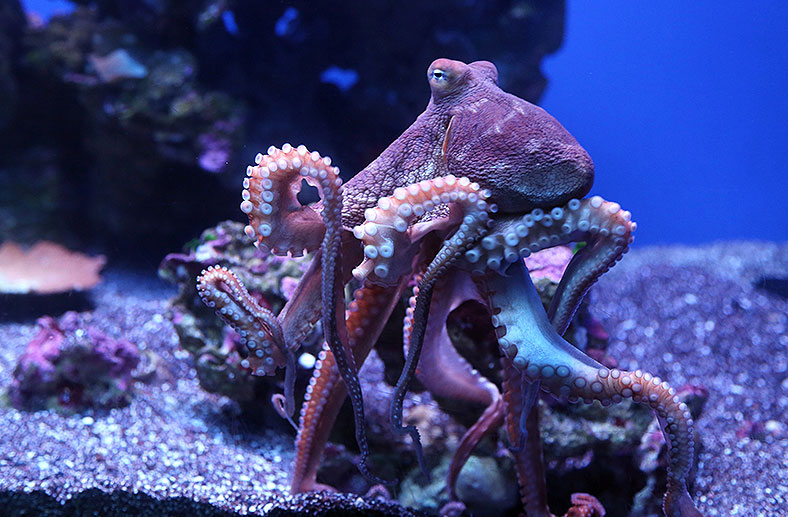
(479, 181)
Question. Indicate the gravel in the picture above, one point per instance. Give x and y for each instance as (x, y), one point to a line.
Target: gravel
(693, 315)
(172, 440)
(688, 314)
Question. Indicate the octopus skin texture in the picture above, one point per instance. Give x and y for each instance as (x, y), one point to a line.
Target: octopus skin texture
(478, 182)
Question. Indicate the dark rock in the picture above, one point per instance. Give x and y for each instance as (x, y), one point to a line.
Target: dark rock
(12, 23)
(485, 488)
(775, 286)
(165, 102)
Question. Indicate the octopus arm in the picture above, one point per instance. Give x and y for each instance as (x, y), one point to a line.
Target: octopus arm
(367, 316)
(528, 455)
(445, 373)
(527, 338)
(603, 225)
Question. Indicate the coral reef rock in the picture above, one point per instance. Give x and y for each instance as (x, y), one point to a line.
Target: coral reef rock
(71, 364)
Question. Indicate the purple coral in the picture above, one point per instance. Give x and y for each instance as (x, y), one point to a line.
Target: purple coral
(71, 364)
(549, 263)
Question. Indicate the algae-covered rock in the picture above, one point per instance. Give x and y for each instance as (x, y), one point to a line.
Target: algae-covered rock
(71, 364)
(213, 345)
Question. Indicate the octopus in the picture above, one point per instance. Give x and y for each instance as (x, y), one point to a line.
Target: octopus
(479, 181)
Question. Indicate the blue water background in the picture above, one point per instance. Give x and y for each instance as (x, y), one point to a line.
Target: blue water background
(683, 107)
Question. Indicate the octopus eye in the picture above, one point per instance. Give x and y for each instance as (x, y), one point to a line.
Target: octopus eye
(439, 75)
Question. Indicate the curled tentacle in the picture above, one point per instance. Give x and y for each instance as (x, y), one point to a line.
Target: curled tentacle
(258, 328)
(276, 218)
(279, 221)
(284, 404)
(585, 505)
(527, 338)
(387, 230)
(605, 246)
(605, 227)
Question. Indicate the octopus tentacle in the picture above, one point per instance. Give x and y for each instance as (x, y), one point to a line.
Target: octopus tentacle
(302, 310)
(258, 328)
(445, 373)
(385, 230)
(367, 315)
(296, 319)
(529, 394)
(333, 313)
(277, 220)
(527, 338)
(604, 248)
(293, 228)
(529, 463)
(605, 227)
(585, 505)
(284, 403)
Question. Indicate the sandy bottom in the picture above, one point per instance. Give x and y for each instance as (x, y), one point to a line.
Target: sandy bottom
(688, 314)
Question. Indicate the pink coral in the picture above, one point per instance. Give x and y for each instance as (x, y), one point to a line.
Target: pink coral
(46, 268)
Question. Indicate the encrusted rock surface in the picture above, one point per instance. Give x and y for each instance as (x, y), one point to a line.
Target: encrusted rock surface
(70, 364)
(212, 344)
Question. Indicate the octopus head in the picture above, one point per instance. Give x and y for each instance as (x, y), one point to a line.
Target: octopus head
(525, 157)
(452, 80)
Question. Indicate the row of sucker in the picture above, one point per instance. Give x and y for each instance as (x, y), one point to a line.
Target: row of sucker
(325, 393)
(384, 231)
(603, 225)
(533, 346)
(318, 172)
(277, 220)
(259, 331)
(324, 382)
(538, 230)
(407, 321)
